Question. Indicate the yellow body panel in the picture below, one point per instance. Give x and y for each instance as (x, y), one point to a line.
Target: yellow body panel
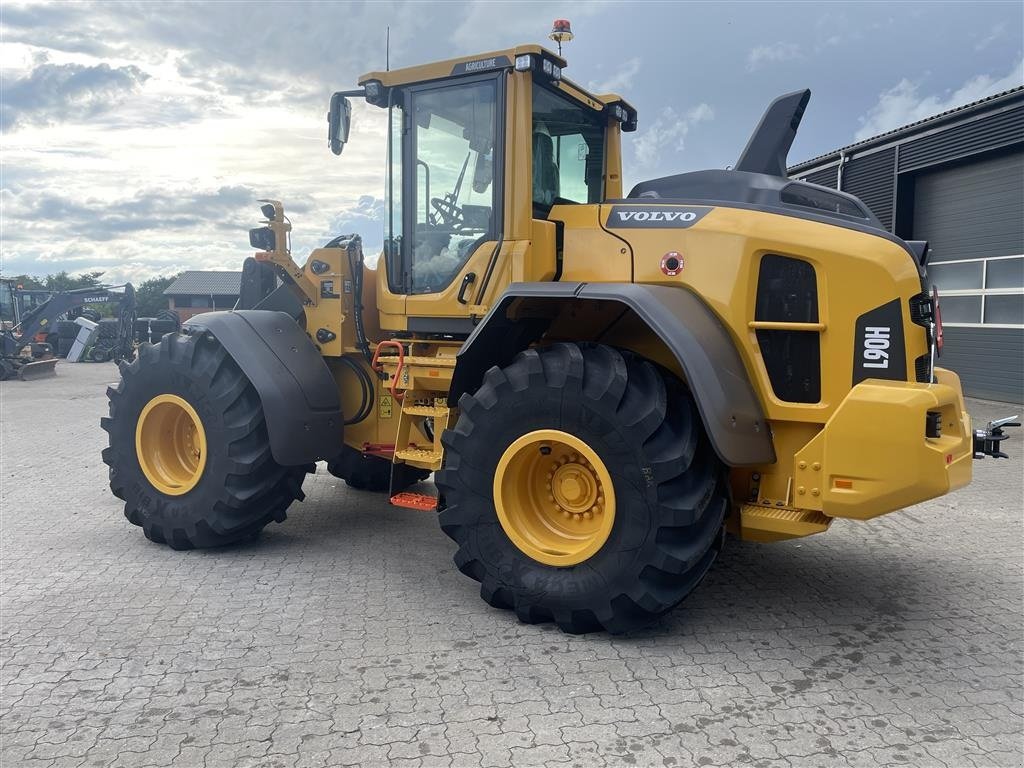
(721, 258)
(872, 456)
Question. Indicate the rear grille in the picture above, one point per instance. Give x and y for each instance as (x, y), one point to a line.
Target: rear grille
(787, 291)
(921, 314)
(922, 368)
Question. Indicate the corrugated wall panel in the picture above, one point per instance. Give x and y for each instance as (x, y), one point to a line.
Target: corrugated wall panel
(872, 179)
(990, 361)
(972, 210)
(981, 135)
(826, 177)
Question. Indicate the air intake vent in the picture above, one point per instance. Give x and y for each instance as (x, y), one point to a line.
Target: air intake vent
(787, 292)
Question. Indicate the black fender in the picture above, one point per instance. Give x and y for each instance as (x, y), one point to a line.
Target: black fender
(299, 395)
(714, 371)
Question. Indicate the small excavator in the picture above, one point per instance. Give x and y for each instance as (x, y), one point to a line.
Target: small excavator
(29, 330)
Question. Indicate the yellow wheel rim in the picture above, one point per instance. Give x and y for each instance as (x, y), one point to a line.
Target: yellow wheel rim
(171, 444)
(554, 497)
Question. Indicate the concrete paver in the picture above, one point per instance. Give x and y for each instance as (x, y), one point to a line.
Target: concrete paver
(346, 636)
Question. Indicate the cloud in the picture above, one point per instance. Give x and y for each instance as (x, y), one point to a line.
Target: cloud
(997, 31)
(479, 30)
(770, 54)
(147, 210)
(619, 82)
(59, 27)
(668, 131)
(54, 92)
(903, 104)
(365, 217)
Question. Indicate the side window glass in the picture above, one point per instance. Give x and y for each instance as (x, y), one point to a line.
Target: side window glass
(568, 151)
(572, 167)
(455, 133)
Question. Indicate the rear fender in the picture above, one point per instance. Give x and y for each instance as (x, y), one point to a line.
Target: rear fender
(299, 395)
(729, 407)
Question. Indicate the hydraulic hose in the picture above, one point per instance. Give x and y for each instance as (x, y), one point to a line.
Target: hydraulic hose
(366, 385)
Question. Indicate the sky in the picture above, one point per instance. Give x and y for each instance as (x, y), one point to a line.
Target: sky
(135, 138)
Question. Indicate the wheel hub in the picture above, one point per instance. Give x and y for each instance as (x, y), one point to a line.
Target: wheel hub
(554, 497)
(170, 444)
(575, 487)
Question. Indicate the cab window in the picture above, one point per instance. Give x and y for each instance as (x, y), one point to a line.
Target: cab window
(568, 151)
(453, 200)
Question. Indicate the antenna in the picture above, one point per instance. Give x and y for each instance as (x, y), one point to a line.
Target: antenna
(387, 49)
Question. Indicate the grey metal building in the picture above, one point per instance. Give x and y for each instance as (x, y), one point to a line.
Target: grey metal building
(957, 181)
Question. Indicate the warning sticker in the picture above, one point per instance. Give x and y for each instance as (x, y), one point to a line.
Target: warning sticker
(385, 407)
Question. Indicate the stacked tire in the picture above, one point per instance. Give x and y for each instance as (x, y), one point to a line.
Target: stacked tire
(171, 316)
(141, 330)
(67, 332)
(107, 328)
(159, 328)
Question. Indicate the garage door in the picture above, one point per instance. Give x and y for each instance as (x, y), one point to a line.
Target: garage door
(973, 217)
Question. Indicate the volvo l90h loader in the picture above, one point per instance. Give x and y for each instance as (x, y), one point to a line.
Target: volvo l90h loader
(603, 383)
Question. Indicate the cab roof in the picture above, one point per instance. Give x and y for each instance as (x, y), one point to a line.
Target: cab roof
(488, 62)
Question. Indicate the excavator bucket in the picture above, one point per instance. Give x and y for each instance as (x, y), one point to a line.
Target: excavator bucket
(38, 369)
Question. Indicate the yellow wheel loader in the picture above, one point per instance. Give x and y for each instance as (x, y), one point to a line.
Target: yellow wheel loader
(602, 383)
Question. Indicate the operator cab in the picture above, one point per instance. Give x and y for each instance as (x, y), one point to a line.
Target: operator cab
(459, 162)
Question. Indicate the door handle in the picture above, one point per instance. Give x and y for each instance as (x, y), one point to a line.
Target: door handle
(467, 281)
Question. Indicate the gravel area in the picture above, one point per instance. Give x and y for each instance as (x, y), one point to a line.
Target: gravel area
(345, 636)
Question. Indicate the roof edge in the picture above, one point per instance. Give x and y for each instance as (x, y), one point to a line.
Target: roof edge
(995, 100)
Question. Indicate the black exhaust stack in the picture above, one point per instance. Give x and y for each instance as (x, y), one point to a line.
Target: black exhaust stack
(768, 147)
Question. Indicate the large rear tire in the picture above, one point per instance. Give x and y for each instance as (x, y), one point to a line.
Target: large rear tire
(189, 453)
(632, 514)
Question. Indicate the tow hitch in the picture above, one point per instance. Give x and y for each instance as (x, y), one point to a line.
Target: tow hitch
(987, 440)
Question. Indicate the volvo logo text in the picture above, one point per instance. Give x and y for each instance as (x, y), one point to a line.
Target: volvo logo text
(666, 216)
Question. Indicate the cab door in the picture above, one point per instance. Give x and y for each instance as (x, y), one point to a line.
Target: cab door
(452, 199)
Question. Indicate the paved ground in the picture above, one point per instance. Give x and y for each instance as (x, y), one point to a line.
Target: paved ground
(346, 636)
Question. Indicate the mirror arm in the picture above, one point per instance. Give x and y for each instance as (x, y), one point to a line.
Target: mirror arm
(359, 93)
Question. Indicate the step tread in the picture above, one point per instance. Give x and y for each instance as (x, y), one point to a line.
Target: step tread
(426, 361)
(420, 501)
(417, 453)
(425, 410)
(785, 514)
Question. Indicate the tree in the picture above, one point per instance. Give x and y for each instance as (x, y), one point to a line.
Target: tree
(62, 281)
(149, 295)
(27, 282)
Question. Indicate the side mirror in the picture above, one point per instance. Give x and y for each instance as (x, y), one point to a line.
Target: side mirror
(338, 120)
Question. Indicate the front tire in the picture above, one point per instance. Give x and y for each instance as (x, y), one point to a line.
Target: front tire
(189, 452)
(611, 415)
